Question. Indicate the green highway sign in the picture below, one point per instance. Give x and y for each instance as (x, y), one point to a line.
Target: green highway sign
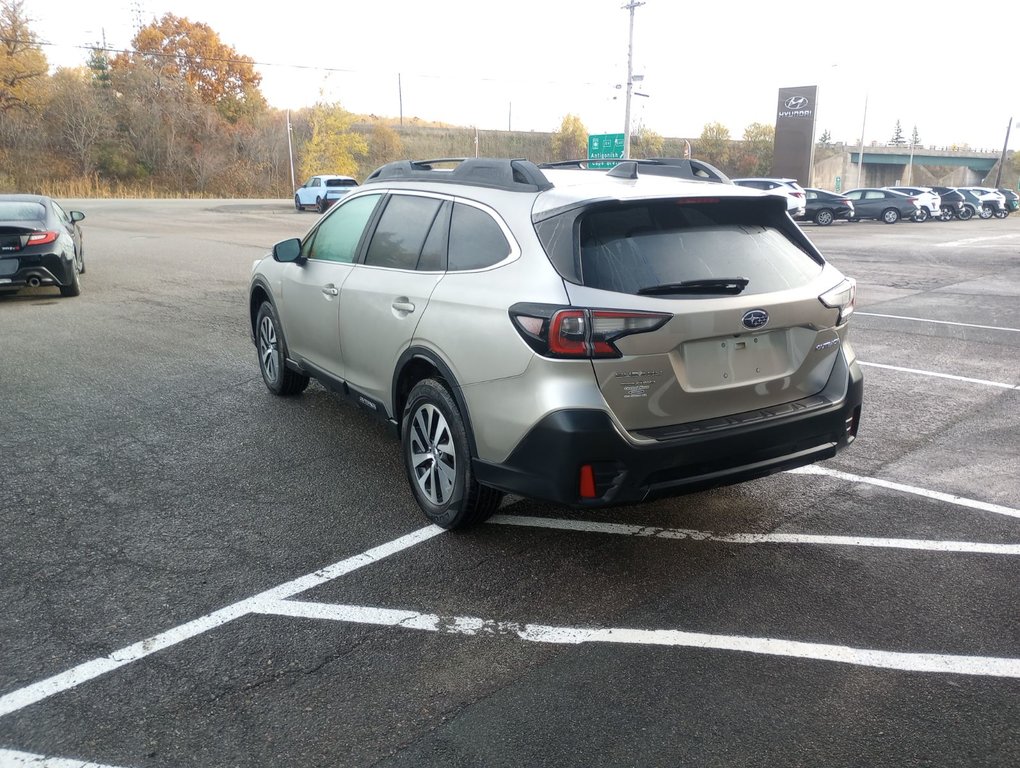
(839, 183)
(608, 145)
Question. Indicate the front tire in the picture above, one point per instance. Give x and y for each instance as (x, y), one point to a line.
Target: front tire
(965, 214)
(947, 213)
(890, 215)
(437, 459)
(297, 204)
(985, 212)
(824, 217)
(920, 216)
(279, 379)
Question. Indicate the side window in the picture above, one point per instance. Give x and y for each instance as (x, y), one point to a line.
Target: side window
(60, 214)
(476, 241)
(853, 195)
(400, 236)
(315, 182)
(337, 237)
(874, 194)
(433, 255)
(811, 195)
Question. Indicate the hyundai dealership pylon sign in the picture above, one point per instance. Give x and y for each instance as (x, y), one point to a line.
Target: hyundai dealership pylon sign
(795, 133)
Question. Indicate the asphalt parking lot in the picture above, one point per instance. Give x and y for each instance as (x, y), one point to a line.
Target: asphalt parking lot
(194, 572)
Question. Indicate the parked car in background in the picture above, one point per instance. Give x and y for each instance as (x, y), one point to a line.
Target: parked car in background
(929, 201)
(320, 192)
(824, 207)
(521, 328)
(794, 192)
(973, 203)
(952, 204)
(1012, 198)
(993, 202)
(40, 244)
(882, 204)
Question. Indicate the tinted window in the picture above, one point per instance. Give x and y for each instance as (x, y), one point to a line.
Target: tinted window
(627, 248)
(400, 236)
(874, 194)
(855, 195)
(13, 211)
(476, 241)
(337, 237)
(341, 183)
(433, 255)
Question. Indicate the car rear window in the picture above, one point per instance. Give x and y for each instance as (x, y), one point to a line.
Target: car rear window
(630, 247)
(341, 183)
(22, 211)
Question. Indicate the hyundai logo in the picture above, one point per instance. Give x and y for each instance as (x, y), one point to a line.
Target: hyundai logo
(796, 102)
(754, 319)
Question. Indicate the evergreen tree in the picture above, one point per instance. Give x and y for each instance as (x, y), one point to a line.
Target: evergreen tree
(897, 137)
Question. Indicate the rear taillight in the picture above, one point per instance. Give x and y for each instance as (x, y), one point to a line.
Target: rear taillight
(570, 332)
(41, 238)
(797, 194)
(843, 297)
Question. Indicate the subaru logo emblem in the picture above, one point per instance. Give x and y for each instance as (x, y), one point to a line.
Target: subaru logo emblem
(796, 102)
(754, 319)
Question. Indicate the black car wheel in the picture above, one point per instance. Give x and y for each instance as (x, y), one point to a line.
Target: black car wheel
(1001, 213)
(946, 213)
(965, 213)
(824, 217)
(74, 289)
(297, 204)
(437, 459)
(320, 205)
(920, 215)
(890, 215)
(279, 379)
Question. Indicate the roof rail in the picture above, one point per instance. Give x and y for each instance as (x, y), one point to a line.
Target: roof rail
(677, 167)
(513, 175)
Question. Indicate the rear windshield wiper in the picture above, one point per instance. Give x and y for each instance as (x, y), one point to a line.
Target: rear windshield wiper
(730, 286)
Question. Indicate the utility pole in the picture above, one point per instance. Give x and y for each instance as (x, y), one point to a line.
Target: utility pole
(860, 154)
(630, 76)
(290, 154)
(1002, 157)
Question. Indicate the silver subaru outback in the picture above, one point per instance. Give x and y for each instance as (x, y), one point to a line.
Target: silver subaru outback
(584, 337)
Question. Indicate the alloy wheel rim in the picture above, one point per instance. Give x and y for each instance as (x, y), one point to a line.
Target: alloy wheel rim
(268, 349)
(433, 456)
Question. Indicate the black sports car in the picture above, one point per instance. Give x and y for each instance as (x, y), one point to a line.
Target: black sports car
(40, 244)
(824, 207)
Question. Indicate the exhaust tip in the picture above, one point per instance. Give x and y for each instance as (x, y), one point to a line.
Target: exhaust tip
(34, 282)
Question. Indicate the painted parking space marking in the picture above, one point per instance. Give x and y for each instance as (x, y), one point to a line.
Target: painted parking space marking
(970, 242)
(938, 322)
(621, 529)
(10, 758)
(541, 633)
(90, 670)
(948, 498)
(937, 375)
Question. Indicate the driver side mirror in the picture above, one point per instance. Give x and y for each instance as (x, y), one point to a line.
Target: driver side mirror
(77, 215)
(288, 251)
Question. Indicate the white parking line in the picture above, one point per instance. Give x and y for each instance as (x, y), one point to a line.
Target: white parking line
(620, 529)
(540, 633)
(90, 670)
(953, 377)
(10, 758)
(962, 501)
(939, 322)
(969, 242)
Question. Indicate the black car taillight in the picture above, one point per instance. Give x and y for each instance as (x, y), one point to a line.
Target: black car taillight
(572, 332)
(41, 238)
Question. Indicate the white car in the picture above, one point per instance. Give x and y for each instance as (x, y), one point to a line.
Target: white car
(796, 198)
(320, 192)
(929, 202)
(992, 202)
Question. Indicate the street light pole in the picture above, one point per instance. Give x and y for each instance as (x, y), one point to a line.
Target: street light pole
(630, 77)
(860, 153)
(1002, 157)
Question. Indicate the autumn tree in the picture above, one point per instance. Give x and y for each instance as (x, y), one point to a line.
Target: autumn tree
(570, 142)
(384, 146)
(645, 142)
(713, 145)
(333, 147)
(754, 155)
(78, 118)
(195, 53)
(22, 64)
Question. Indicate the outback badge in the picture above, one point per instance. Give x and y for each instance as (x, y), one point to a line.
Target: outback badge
(755, 319)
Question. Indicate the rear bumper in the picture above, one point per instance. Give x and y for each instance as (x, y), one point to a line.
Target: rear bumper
(18, 271)
(547, 464)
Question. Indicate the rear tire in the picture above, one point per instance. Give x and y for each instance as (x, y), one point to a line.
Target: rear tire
(890, 215)
(320, 205)
(279, 379)
(965, 214)
(74, 289)
(297, 204)
(920, 216)
(824, 217)
(437, 460)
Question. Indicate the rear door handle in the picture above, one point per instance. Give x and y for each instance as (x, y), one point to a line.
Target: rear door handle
(330, 290)
(403, 305)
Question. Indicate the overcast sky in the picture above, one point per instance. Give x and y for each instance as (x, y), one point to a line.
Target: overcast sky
(524, 64)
